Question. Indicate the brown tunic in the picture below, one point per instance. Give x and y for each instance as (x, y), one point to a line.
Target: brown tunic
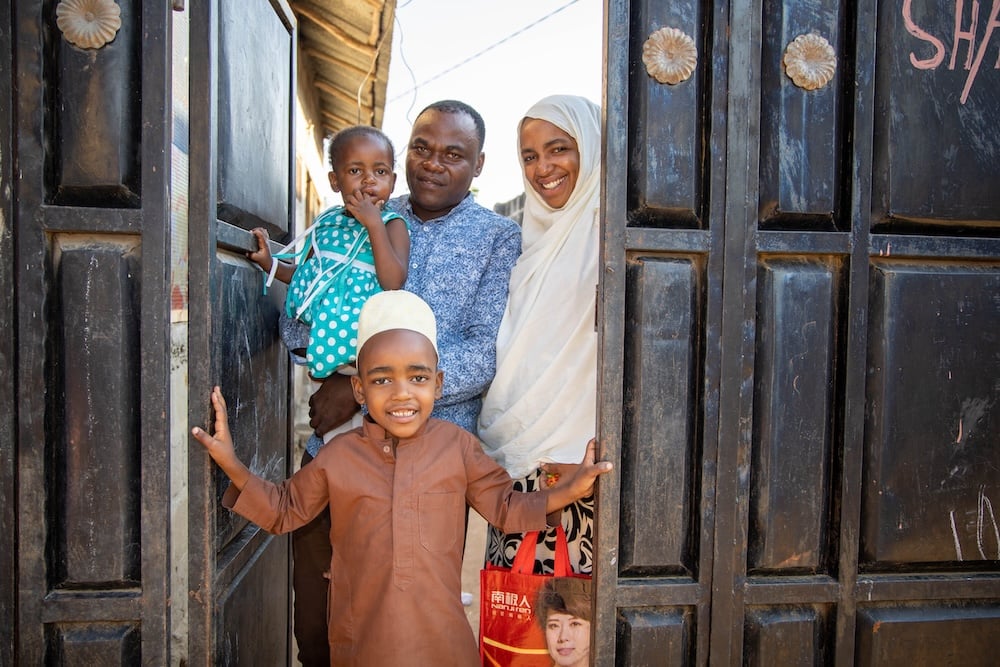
(398, 531)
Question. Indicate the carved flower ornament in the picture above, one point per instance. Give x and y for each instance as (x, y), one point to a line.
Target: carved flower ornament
(670, 56)
(810, 61)
(89, 24)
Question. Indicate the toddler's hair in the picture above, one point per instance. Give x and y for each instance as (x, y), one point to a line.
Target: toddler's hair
(341, 139)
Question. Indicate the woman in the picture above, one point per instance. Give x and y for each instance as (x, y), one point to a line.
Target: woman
(563, 610)
(542, 405)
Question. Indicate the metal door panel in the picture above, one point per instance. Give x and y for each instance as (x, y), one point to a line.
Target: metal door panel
(790, 483)
(931, 460)
(256, 104)
(936, 150)
(660, 313)
(94, 644)
(655, 637)
(8, 417)
(800, 134)
(245, 607)
(246, 349)
(666, 128)
(241, 175)
(929, 634)
(95, 536)
(96, 113)
(658, 529)
(783, 635)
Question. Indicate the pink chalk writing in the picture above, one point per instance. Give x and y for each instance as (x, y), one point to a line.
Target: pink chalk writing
(965, 31)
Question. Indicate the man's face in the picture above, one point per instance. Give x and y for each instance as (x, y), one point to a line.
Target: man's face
(442, 158)
(398, 380)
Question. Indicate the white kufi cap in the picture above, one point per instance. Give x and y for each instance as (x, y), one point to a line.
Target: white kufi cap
(396, 309)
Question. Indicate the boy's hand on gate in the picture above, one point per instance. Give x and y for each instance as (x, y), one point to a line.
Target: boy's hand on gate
(220, 445)
(580, 483)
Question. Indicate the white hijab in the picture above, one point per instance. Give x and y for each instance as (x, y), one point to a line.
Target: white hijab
(542, 404)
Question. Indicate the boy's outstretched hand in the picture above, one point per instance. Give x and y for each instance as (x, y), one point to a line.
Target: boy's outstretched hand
(579, 484)
(220, 446)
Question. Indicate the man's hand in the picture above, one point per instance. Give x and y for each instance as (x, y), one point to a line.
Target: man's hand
(332, 404)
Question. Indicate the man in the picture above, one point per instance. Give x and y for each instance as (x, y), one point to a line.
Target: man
(461, 256)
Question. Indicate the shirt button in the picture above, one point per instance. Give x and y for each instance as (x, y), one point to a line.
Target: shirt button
(413, 266)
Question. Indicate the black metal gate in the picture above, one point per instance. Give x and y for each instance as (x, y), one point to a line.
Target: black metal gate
(132, 160)
(801, 299)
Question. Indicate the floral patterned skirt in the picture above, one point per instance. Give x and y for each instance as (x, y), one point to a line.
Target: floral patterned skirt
(577, 521)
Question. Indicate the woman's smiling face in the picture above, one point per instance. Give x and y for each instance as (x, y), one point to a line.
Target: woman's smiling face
(550, 159)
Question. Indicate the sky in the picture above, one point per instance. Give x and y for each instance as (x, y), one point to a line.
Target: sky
(539, 48)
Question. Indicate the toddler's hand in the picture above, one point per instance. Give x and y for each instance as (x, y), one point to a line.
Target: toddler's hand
(262, 255)
(364, 207)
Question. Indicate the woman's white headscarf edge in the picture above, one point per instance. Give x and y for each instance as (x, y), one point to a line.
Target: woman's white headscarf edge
(541, 405)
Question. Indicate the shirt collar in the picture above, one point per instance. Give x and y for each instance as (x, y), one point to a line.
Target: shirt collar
(375, 432)
(402, 205)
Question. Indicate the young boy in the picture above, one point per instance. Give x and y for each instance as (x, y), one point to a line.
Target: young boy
(397, 489)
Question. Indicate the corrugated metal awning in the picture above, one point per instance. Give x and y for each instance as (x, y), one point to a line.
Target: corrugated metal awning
(344, 50)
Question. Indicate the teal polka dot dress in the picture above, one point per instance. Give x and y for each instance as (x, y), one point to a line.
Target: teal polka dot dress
(328, 288)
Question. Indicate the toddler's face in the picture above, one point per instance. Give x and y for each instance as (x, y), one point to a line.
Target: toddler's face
(398, 380)
(365, 164)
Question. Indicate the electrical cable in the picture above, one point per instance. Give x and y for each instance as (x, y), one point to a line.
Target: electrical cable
(371, 69)
(483, 51)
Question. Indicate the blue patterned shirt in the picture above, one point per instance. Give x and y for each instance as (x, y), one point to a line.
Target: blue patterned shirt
(460, 265)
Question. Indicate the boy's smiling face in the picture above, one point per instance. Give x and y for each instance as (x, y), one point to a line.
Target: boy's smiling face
(398, 380)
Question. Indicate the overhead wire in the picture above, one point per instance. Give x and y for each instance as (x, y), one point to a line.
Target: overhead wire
(371, 70)
(406, 64)
(478, 53)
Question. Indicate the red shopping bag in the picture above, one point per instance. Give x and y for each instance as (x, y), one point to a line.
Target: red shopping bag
(509, 632)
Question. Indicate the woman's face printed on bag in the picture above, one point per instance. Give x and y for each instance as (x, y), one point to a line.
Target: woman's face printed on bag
(568, 639)
(365, 164)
